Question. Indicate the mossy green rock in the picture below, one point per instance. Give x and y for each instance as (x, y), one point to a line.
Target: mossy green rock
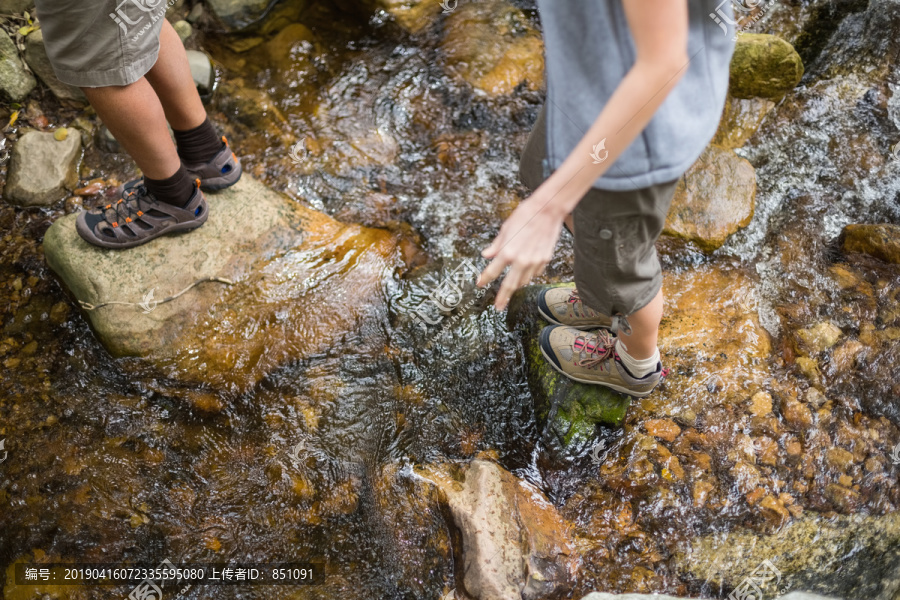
(764, 66)
(570, 409)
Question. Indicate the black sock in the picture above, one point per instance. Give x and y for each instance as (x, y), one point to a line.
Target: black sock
(199, 145)
(176, 190)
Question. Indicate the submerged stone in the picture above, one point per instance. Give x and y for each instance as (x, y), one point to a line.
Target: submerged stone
(881, 241)
(713, 200)
(515, 544)
(239, 14)
(492, 46)
(570, 409)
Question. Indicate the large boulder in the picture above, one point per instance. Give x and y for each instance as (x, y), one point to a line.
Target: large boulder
(713, 200)
(15, 80)
(492, 46)
(570, 409)
(515, 545)
(300, 281)
(854, 556)
(881, 241)
(36, 57)
(764, 66)
(42, 168)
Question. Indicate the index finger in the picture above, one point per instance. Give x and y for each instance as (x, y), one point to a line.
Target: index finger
(492, 271)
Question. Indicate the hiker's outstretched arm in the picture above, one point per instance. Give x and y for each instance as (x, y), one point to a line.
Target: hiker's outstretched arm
(527, 238)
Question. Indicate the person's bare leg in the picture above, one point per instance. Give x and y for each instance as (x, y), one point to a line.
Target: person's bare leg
(135, 117)
(171, 80)
(641, 344)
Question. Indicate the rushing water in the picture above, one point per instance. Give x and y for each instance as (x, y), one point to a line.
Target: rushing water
(364, 123)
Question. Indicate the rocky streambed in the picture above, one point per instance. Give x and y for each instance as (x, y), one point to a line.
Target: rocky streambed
(309, 399)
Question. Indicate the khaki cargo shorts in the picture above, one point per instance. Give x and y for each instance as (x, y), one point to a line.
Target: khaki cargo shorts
(617, 271)
(98, 43)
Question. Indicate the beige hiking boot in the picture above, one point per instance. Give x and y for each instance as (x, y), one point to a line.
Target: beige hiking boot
(563, 306)
(590, 357)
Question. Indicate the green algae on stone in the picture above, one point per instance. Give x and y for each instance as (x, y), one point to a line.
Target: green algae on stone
(764, 66)
(570, 409)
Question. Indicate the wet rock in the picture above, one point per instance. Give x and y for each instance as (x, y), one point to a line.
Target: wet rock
(492, 46)
(820, 337)
(713, 199)
(42, 168)
(796, 413)
(570, 409)
(845, 556)
(254, 109)
(15, 81)
(201, 71)
(239, 14)
(36, 57)
(764, 66)
(881, 241)
(286, 262)
(761, 404)
(839, 459)
(413, 15)
(664, 429)
(810, 368)
(740, 120)
(419, 540)
(514, 542)
(711, 326)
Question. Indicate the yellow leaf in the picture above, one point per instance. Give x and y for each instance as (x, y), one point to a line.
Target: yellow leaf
(61, 134)
(26, 29)
(13, 117)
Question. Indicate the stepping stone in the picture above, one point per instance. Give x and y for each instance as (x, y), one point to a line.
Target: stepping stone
(571, 410)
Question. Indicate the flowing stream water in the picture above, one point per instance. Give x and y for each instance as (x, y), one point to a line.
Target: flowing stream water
(365, 124)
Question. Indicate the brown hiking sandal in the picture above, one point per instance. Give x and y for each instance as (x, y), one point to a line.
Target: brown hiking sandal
(590, 357)
(223, 171)
(138, 217)
(563, 306)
